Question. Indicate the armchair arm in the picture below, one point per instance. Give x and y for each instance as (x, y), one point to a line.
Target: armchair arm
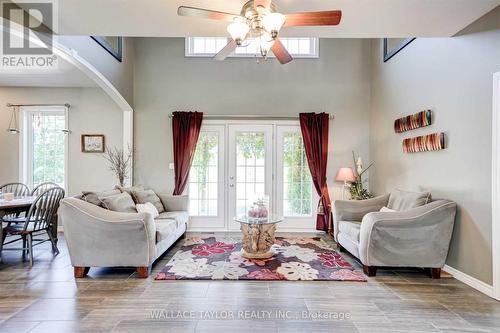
(419, 237)
(174, 203)
(97, 237)
(355, 210)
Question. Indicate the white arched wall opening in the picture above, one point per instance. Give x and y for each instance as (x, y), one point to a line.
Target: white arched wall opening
(72, 57)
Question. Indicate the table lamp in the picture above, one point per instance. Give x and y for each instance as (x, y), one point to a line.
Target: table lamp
(345, 175)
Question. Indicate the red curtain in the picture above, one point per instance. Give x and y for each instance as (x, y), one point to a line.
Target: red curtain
(185, 130)
(314, 129)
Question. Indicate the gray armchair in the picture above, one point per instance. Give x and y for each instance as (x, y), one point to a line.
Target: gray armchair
(416, 237)
(98, 237)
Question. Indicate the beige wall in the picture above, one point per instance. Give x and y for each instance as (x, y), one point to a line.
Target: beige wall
(92, 111)
(166, 81)
(454, 78)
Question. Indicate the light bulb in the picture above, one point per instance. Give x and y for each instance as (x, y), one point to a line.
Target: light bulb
(273, 22)
(266, 43)
(238, 31)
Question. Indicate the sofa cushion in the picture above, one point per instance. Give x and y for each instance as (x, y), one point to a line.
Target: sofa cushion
(93, 197)
(404, 200)
(350, 230)
(164, 228)
(387, 210)
(144, 196)
(148, 207)
(121, 202)
(179, 217)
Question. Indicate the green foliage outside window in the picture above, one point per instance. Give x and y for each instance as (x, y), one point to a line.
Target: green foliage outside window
(298, 176)
(48, 149)
(251, 145)
(204, 157)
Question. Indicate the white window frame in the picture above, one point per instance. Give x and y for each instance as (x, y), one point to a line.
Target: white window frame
(200, 222)
(291, 222)
(26, 150)
(313, 54)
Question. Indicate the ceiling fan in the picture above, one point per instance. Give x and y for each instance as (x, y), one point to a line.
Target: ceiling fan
(260, 20)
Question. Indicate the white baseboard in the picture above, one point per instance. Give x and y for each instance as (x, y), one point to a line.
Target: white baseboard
(470, 281)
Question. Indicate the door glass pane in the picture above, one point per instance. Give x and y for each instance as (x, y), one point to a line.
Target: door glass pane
(250, 165)
(297, 184)
(48, 148)
(203, 176)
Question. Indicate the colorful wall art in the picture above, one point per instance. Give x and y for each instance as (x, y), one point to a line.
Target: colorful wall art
(410, 122)
(429, 142)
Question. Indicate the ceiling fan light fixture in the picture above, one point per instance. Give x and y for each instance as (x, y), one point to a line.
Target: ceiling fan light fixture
(273, 22)
(266, 43)
(238, 31)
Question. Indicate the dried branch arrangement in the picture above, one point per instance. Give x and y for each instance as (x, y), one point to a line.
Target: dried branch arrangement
(119, 161)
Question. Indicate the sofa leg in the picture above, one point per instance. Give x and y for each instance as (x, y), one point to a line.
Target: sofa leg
(340, 248)
(143, 272)
(370, 270)
(80, 272)
(436, 273)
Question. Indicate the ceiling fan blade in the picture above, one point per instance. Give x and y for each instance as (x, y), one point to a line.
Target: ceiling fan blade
(281, 52)
(205, 13)
(227, 50)
(331, 17)
(262, 3)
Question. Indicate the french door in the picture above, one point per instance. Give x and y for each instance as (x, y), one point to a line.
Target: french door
(250, 168)
(237, 163)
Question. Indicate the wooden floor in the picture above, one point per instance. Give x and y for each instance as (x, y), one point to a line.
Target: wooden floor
(46, 298)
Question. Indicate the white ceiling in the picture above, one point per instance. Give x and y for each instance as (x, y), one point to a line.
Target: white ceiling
(361, 18)
(66, 75)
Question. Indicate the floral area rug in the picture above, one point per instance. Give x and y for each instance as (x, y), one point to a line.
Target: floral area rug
(307, 259)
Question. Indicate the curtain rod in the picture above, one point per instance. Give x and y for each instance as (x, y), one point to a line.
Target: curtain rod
(253, 117)
(11, 105)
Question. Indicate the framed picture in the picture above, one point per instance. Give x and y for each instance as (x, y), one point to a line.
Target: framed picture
(393, 45)
(93, 143)
(111, 44)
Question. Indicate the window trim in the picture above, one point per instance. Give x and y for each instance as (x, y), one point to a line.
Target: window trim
(24, 154)
(188, 47)
(200, 222)
(280, 131)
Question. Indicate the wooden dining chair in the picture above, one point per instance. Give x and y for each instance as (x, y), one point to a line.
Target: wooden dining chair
(19, 189)
(42, 188)
(36, 223)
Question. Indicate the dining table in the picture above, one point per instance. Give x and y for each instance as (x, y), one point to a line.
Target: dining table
(14, 206)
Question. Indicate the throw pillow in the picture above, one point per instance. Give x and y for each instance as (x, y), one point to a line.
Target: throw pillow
(148, 207)
(121, 202)
(403, 200)
(142, 197)
(93, 197)
(130, 189)
(387, 210)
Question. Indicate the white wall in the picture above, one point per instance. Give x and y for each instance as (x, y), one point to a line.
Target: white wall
(454, 78)
(165, 81)
(91, 112)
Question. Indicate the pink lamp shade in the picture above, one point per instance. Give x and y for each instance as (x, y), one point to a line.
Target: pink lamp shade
(345, 175)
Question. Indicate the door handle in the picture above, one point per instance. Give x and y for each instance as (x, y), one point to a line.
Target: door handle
(231, 185)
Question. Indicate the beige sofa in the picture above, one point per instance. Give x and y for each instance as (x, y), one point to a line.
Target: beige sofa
(98, 237)
(411, 237)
